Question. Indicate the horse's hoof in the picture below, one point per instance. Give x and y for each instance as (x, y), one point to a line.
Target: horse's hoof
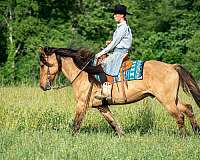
(75, 133)
(196, 130)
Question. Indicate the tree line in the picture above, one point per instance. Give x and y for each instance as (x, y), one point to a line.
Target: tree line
(165, 30)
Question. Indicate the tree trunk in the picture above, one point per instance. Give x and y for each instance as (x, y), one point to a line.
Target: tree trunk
(12, 50)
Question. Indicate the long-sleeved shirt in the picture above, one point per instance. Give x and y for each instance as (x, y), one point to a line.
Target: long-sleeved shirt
(122, 38)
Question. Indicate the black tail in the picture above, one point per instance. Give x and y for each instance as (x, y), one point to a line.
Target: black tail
(188, 83)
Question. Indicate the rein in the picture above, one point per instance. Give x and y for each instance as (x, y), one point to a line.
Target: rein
(49, 82)
(81, 71)
(58, 57)
(48, 76)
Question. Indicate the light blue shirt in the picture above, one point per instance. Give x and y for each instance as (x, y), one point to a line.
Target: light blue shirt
(122, 38)
(121, 42)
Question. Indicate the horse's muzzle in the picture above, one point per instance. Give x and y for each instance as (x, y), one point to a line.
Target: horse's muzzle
(46, 87)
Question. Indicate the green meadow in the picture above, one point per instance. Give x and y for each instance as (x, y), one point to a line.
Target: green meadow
(37, 125)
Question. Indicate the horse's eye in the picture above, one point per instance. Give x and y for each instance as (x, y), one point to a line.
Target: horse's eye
(41, 65)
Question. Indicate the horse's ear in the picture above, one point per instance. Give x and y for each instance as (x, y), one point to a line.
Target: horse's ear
(41, 50)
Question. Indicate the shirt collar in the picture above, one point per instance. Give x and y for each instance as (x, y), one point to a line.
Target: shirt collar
(121, 23)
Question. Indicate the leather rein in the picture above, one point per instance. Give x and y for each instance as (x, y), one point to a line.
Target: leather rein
(59, 60)
(58, 57)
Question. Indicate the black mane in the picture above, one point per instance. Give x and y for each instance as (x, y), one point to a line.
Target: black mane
(80, 57)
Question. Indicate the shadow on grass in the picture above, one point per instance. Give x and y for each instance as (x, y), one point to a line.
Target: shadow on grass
(143, 122)
(94, 129)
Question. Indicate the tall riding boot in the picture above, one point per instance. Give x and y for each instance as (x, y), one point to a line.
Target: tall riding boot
(105, 92)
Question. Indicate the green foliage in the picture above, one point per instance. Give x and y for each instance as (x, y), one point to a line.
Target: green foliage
(192, 58)
(96, 22)
(164, 30)
(2, 43)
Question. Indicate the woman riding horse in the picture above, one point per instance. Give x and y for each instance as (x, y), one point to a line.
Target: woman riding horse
(120, 44)
(160, 80)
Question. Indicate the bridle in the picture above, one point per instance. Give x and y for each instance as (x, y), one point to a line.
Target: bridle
(48, 80)
(48, 76)
(58, 57)
(81, 71)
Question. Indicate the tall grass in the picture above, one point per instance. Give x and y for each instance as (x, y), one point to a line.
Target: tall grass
(37, 125)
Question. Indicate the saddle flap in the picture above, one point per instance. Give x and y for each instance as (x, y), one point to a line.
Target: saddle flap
(126, 63)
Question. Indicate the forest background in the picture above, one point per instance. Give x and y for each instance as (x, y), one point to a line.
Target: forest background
(164, 30)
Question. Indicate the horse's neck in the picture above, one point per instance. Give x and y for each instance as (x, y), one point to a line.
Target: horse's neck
(80, 82)
(71, 71)
(81, 86)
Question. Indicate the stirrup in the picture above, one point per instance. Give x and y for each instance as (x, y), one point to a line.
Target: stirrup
(103, 97)
(105, 92)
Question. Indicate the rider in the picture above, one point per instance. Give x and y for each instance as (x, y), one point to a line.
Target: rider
(120, 43)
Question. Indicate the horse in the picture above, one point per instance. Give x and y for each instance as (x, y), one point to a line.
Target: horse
(160, 80)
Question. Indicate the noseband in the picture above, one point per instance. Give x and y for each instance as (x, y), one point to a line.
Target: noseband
(48, 75)
(49, 82)
(58, 57)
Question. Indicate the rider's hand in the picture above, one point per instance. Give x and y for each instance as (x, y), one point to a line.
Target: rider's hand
(98, 55)
(101, 58)
(108, 42)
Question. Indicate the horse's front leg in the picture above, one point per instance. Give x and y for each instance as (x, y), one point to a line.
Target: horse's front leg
(79, 115)
(105, 111)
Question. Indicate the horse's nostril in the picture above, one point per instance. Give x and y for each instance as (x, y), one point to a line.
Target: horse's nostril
(43, 88)
(46, 86)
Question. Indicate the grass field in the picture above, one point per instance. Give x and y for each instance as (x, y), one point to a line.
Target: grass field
(36, 125)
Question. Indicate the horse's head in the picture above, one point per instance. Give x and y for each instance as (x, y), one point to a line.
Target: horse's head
(49, 67)
(50, 63)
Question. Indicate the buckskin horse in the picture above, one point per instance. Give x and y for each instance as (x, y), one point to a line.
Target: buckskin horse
(160, 80)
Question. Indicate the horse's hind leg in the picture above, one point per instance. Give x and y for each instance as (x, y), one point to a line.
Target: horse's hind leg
(110, 119)
(177, 114)
(187, 109)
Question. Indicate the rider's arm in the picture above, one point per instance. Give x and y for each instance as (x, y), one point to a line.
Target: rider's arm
(117, 37)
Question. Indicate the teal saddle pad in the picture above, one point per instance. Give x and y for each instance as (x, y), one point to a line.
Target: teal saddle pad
(133, 73)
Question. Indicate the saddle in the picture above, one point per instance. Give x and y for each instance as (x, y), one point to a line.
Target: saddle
(126, 64)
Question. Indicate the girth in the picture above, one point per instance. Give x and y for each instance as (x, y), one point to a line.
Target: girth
(126, 64)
